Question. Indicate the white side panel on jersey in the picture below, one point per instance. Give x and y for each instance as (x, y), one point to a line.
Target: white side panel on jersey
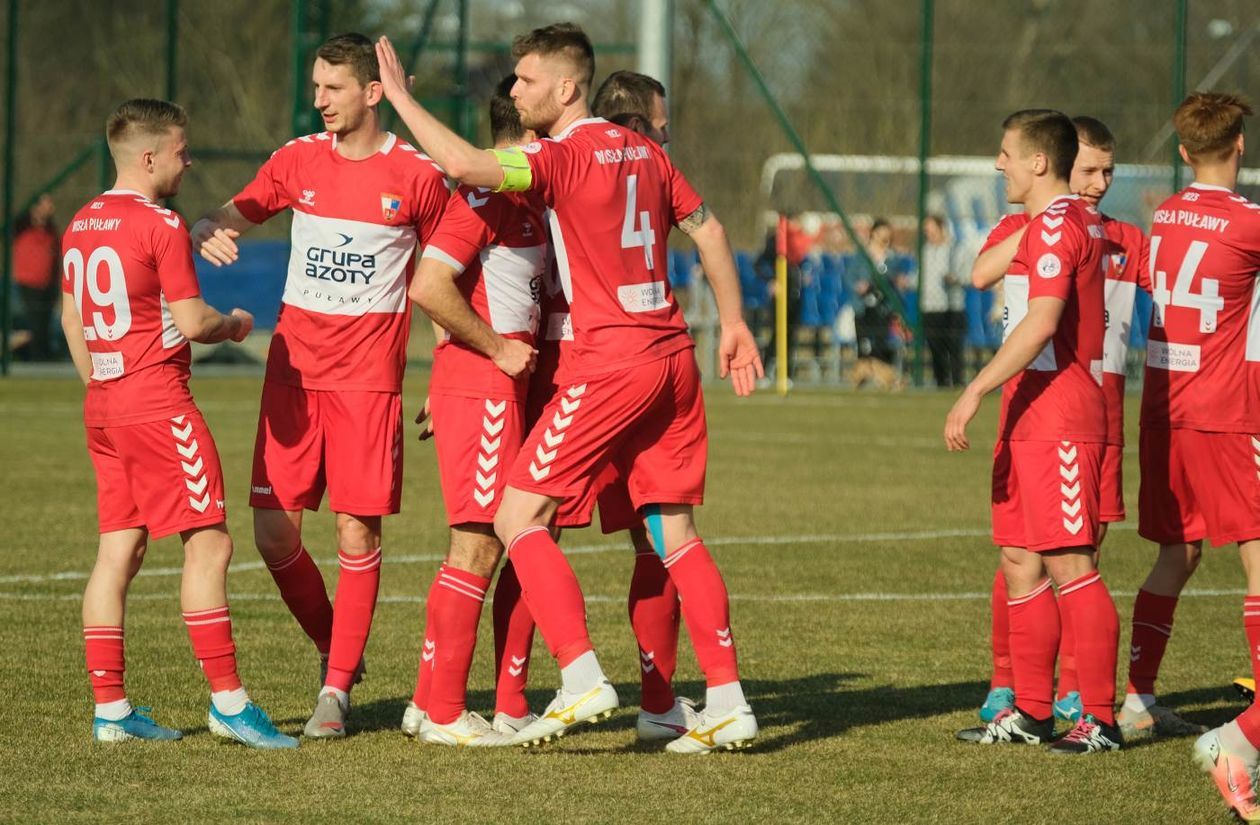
(510, 276)
(344, 267)
(562, 255)
(1253, 322)
(1016, 289)
(1119, 298)
(171, 336)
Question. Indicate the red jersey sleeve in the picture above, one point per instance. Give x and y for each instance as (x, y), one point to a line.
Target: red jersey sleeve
(466, 227)
(549, 167)
(433, 195)
(1144, 261)
(1053, 257)
(1009, 225)
(173, 260)
(267, 194)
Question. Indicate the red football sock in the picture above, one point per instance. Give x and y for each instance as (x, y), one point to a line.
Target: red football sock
(1034, 642)
(428, 652)
(552, 592)
(455, 635)
(1068, 680)
(706, 609)
(1152, 627)
(654, 616)
(103, 652)
(302, 588)
(357, 587)
(210, 632)
(1093, 613)
(1000, 636)
(513, 641)
(1251, 623)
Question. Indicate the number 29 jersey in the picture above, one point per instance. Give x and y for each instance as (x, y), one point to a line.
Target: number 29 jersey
(1203, 351)
(124, 259)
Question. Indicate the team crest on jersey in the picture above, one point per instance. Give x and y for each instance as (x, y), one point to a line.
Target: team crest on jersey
(1049, 265)
(1118, 261)
(390, 204)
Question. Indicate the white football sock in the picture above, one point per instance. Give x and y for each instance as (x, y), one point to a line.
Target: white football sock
(1235, 742)
(1138, 702)
(343, 698)
(113, 711)
(582, 674)
(721, 700)
(230, 702)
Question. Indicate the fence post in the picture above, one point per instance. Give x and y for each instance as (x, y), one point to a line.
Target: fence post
(782, 346)
(925, 143)
(1178, 85)
(10, 117)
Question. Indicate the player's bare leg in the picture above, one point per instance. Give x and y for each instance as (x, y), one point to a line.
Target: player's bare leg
(455, 603)
(203, 599)
(1142, 716)
(727, 720)
(278, 536)
(118, 559)
(359, 557)
(654, 617)
(554, 597)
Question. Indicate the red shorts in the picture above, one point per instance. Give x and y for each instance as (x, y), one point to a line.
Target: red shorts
(476, 440)
(1111, 485)
(163, 475)
(610, 493)
(1046, 494)
(647, 421)
(349, 442)
(1198, 485)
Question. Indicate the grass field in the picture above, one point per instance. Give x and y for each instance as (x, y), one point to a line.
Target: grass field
(855, 550)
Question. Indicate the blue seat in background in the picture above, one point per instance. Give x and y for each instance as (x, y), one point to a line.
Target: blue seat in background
(254, 283)
(681, 264)
(831, 290)
(810, 309)
(755, 292)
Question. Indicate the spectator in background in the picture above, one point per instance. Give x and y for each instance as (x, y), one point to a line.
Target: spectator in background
(36, 266)
(799, 245)
(941, 302)
(876, 347)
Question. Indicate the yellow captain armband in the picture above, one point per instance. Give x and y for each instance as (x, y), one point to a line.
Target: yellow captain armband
(517, 176)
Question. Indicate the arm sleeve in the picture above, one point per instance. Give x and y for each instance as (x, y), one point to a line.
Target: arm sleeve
(1009, 225)
(465, 228)
(537, 167)
(1143, 259)
(173, 259)
(432, 196)
(1052, 261)
(267, 194)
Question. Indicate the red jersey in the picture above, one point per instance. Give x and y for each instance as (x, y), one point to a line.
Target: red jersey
(1059, 395)
(498, 243)
(344, 317)
(1203, 352)
(612, 196)
(1124, 264)
(125, 259)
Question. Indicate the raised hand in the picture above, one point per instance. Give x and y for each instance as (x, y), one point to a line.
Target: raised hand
(394, 81)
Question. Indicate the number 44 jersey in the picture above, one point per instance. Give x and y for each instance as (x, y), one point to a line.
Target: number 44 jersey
(1203, 353)
(124, 259)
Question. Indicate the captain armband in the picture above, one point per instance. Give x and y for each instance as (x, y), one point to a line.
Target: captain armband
(517, 176)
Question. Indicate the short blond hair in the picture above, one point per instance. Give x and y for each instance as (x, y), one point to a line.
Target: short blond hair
(143, 116)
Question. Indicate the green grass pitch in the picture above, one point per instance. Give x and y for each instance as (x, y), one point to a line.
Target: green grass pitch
(856, 553)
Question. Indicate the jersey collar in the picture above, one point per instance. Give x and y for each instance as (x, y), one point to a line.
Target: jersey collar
(124, 192)
(575, 124)
(1210, 187)
(391, 140)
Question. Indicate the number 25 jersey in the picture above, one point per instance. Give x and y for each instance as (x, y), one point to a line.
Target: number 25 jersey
(1203, 352)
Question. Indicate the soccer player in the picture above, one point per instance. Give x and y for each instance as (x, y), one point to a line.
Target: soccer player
(1201, 401)
(131, 305)
(636, 101)
(1048, 456)
(1125, 265)
(479, 278)
(331, 413)
(630, 386)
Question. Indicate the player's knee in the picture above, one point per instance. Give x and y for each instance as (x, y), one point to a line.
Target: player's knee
(358, 534)
(275, 534)
(475, 548)
(208, 549)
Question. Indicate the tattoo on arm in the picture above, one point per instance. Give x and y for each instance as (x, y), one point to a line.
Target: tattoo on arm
(693, 221)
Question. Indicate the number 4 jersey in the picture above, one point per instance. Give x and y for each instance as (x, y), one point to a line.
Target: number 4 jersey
(1203, 352)
(125, 259)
